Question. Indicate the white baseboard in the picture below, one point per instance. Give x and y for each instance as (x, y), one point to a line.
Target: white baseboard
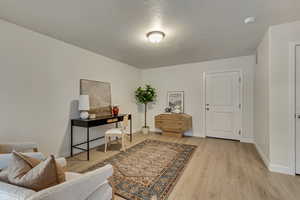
(247, 140)
(155, 130)
(280, 169)
(271, 166)
(64, 154)
(262, 155)
(135, 130)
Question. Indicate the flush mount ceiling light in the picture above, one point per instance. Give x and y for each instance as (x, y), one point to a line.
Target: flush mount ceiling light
(155, 36)
(250, 20)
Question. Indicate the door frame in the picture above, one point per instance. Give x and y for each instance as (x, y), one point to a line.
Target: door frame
(241, 97)
(292, 108)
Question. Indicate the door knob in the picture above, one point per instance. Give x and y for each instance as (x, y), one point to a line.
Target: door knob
(207, 108)
(298, 116)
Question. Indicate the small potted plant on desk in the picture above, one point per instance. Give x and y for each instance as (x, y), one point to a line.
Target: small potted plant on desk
(145, 96)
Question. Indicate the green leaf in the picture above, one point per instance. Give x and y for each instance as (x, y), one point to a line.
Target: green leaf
(145, 94)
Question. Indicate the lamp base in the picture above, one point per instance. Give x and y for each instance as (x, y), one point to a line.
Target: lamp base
(84, 115)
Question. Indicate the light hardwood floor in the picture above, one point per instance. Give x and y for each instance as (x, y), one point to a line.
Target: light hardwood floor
(218, 170)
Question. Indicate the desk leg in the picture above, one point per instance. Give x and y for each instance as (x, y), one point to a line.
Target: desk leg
(131, 130)
(88, 144)
(71, 140)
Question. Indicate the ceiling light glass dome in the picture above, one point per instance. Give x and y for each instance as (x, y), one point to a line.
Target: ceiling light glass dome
(155, 36)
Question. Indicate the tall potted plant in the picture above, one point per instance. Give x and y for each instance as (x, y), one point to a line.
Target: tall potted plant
(145, 95)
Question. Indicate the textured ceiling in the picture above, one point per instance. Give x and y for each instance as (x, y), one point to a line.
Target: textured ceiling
(196, 30)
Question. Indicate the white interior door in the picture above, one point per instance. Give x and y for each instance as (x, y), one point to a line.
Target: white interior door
(298, 110)
(222, 105)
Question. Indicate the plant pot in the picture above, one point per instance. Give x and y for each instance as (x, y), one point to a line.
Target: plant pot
(145, 130)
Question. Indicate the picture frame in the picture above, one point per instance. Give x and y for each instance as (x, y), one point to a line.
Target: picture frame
(175, 101)
(99, 95)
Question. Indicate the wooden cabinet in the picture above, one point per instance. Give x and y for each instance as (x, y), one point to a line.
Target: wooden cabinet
(173, 124)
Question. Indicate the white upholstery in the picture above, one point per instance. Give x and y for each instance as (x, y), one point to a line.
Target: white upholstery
(89, 186)
(12, 192)
(114, 131)
(104, 191)
(5, 158)
(19, 147)
(72, 175)
(80, 188)
(117, 132)
(25, 147)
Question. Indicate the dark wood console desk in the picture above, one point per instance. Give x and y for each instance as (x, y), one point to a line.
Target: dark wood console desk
(89, 123)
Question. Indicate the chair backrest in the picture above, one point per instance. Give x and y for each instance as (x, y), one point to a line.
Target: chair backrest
(125, 122)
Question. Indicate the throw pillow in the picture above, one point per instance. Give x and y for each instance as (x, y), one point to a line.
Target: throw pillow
(32, 173)
(4, 175)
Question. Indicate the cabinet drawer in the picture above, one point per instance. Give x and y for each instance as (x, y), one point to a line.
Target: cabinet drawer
(159, 123)
(176, 123)
(169, 124)
(169, 117)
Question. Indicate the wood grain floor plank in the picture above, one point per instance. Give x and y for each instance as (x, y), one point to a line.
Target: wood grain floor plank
(218, 170)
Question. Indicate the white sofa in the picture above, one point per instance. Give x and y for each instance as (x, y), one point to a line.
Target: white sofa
(89, 186)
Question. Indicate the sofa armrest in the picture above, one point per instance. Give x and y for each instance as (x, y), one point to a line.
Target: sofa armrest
(19, 147)
(78, 188)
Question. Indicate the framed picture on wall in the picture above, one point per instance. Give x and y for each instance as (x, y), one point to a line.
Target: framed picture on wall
(176, 101)
(99, 96)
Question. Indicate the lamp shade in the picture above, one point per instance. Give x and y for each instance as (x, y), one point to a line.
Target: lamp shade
(84, 103)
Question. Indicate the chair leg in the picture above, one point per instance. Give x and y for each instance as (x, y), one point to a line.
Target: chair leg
(123, 143)
(105, 144)
(122, 148)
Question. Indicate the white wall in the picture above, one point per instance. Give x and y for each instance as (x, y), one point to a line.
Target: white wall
(261, 99)
(188, 78)
(272, 97)
(39, 84)
(280, 136)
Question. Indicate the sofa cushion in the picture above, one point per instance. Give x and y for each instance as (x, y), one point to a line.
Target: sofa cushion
(104, 191)
(34, 174)
(80, 187)
(72, 175)
(4, 175)
(13, 192)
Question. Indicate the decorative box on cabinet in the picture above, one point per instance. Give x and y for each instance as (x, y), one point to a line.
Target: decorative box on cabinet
(173, 124)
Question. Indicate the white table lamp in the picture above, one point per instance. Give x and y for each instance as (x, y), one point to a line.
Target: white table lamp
(84, 106)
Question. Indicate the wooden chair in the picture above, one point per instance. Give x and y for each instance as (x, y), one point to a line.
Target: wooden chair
(117, 132)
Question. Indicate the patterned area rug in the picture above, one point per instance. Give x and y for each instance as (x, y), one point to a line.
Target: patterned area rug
(148, 170)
